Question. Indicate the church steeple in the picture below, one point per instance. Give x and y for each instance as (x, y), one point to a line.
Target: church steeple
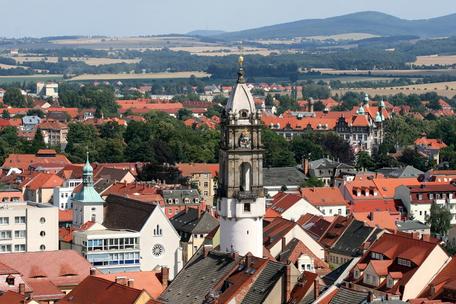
(87, 173)
(241, 197)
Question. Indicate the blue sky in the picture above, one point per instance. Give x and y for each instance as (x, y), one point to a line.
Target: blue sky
(20, 18)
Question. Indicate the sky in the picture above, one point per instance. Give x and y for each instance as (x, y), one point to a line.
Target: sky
(33, 18)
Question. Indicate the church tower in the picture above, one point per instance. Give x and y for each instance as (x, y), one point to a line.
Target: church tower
(87, 204)
(241, 202)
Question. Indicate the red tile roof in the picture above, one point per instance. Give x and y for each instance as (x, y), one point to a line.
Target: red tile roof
(444, 279)
(72, 112)
(11, 297)
(336, 229)
(66, 215)
(188, 169)
(147, 280)
(282, 201)
(274, 232)
(45, 180)
(430, 143)
(381, 219)
(98, 290)
(23, 161)
(324, 196)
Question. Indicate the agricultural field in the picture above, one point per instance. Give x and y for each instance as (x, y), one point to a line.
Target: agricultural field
(30, 78)
(435, 60)
(222, 50)
(447, 89)
(408, 73)
(88, 60)
(174, 75)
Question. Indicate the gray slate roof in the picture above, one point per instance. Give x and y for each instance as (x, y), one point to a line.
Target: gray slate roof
(351, 240)
(290, 176)
(325, 163)
(411, 225)
(332, 277)
(396, 172)
(198, 277)
(264, 283)
(189, 222)
(126, 213)
(348, 296)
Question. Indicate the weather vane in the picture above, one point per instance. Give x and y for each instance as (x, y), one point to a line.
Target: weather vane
(241, 56)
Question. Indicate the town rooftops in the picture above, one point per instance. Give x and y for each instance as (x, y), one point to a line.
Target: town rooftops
(188, 169)
(430, 143)
(445, 279)
(403, 172)
(282, 201)
(45, 180)
(411, 225)
(275, 231)
(23, 161)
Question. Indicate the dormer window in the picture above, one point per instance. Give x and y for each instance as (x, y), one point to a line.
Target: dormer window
(404, 262)
(420, 197)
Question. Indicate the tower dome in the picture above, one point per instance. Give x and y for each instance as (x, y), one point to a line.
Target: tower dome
(378, 117)
(361, 111)
(87, 167)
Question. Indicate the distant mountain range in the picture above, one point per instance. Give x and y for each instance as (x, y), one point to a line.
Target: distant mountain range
(205, 33)
(375, 23)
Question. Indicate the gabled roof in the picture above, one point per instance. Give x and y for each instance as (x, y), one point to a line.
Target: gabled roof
(23, 161)
(324, 196)
(126, 213)
(337, 227)
(282, 201)
(276, 230)
(294, 249)
(11, 297)
(288, 176)
(188, 169)
(98, 290)
(45, 180)
(194, 221)
(264, 283)
(199, 277)
(351, 241)
(446, 278)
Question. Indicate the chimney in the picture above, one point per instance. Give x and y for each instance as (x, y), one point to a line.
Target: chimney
(92, 271)
(121, 280)
(131, 283)
(164, 276)
(288, 283)
(248, 259)
(206, 250)
(370, 297)
(22, 288)
(316, 288)
(284, 243)
(305, 166)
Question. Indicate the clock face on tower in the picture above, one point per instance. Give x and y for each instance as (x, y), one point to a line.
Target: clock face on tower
(244, 139)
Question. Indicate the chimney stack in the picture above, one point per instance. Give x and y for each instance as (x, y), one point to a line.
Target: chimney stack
(288, 283)
(92, 271)
(305, 166)
(131, 283)
(164, 276)
(284, 243)
(22, 288)
(316, 288)
(121, 280)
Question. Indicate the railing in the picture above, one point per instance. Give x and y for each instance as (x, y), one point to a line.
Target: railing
(245, 195)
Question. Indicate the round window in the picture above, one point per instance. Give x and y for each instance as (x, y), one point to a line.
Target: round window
(158, 250)
(42, 220)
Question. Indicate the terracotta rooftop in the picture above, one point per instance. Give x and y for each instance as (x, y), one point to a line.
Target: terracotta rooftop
(99, 290)
(324, 196)
(188, 169)
(45, 180)
(282, 201)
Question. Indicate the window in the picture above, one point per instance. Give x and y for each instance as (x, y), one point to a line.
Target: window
(5, 235)
(43, 233)
(404, 262)
(377, 256)
(19, 234)
(19, 219)
(206, 184)
(19, 247)
(246, 207)
(339, 211)
(4, 220)
(42, 247)
(158, 250)
(5, 248)
(158, 231)
(42, 220)
(356, 274)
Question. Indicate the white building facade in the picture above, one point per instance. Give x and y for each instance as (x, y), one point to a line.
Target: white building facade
(27, 227)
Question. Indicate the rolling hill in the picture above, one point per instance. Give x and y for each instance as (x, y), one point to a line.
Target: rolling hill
(375, 23)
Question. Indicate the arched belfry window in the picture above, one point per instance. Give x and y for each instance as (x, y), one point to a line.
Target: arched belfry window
(246, 176)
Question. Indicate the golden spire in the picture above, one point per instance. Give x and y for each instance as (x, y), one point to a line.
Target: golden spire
(241, 61)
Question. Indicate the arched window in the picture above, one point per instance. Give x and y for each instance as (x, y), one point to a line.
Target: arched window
(246, 172)
(157, 231)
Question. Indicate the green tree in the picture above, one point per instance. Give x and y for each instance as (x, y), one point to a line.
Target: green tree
(277, 152)
(312, 182)
(35, 112)
(37, 142)
(317, 91)
(6, 114)
(413, 158)
(184, 114)
(440, 220)
(14, 98)
(305, 147)
(364, 161)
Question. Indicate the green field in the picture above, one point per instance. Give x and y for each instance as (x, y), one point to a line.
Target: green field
(29, 78)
